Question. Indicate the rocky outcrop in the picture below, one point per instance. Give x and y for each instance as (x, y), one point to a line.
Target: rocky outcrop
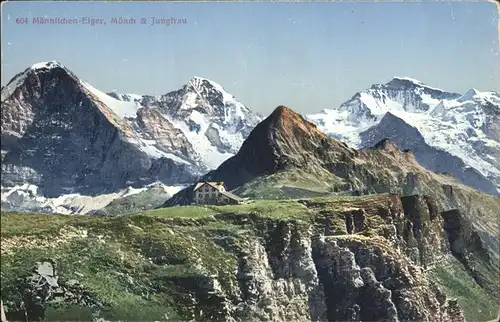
(298, 273)
(44, 286)
(154, 126)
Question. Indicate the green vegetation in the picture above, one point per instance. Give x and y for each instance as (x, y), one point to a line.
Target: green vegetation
(457, 283)
(181, 212)
(145, 200)
(133, 265)
(290, 184)
(151, 265)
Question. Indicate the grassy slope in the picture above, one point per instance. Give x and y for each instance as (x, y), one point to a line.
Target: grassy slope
(456, 282)
(111, 256)
(275, 186)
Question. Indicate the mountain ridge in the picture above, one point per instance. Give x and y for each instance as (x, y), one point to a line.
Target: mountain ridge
(178, 138)
(462, 127)
(48, 97)
(287, 141)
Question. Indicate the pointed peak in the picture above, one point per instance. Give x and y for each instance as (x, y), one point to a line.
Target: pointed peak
(287, 116)
(471, 94)
(282, 110)
(194, 78)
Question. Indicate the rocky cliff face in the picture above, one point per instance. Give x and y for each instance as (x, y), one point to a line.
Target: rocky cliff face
(204, 115)
(327, 259)
(60, 136)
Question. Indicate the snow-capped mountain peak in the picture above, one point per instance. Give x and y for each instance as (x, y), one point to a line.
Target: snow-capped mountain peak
(408, 83)
(122, 108)
(475, 95)
(465, 126)
(35, 70)
(47, 65)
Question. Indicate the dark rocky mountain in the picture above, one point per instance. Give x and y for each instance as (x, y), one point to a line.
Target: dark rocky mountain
(60, 136)
(63, 136)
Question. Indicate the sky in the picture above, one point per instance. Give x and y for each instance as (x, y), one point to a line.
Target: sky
(306, 55)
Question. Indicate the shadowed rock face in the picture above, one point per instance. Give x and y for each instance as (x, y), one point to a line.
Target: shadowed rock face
(283, 140)
(406, 137)
(60, 137)
(156, 127)
(428, 244)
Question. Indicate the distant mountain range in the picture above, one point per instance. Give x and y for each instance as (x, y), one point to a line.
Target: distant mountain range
(286, 153)
(447, 132)
(61, 136)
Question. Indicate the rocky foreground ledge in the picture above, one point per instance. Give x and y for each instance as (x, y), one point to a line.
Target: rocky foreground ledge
(372, 258)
